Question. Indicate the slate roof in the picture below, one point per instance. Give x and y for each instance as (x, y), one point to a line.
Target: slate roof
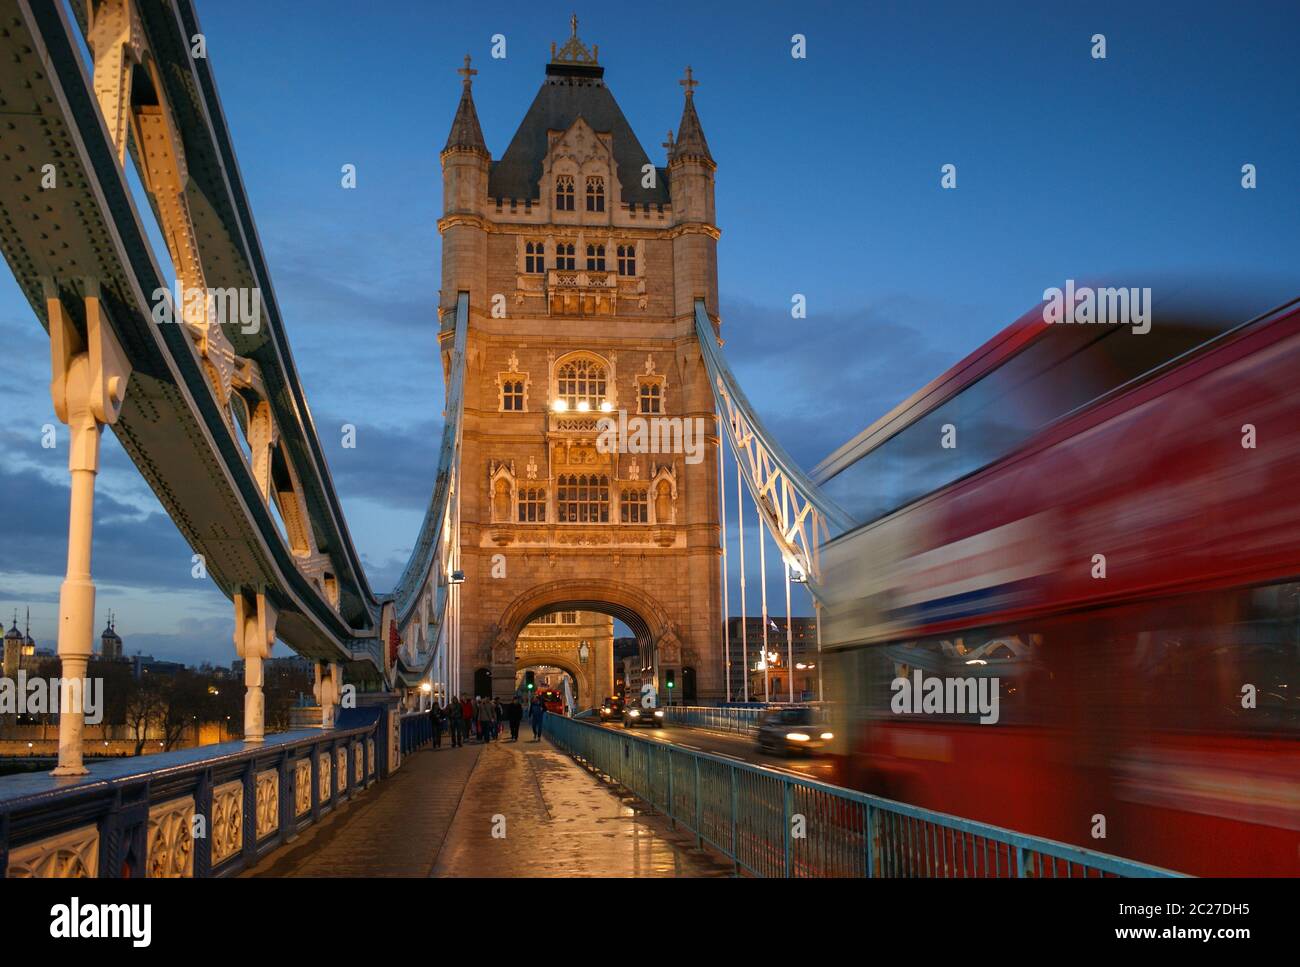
(465, 130)
(569, 92)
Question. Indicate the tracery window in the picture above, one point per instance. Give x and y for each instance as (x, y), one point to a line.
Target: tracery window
(535, 257)
(595, 194)
(627, 260)
(580, 383)
(595, 258)
(650, 397)
(532, 505)
(564, 256)
(634, 506)
(564, 193)
(512, 396)
(582, 498)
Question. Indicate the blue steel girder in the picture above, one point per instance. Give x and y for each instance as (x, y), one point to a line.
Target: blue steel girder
(85, 236)
(795, 511)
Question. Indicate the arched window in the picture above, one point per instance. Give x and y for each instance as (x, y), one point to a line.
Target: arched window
(512, 396)
(582, 498)
(627, 260)
(650, 397)
(532, 505)
(564, 256)
(595, 258)
(580, 383)
(634, 506)
(535, 257)
(564, 193)
(595, 194)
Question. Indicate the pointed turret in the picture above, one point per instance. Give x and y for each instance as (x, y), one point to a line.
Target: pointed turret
(690, 141)
(465, 131)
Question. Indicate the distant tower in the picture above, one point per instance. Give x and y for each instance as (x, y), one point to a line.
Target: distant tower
(13, 656)
(583, 261)
(110, 645)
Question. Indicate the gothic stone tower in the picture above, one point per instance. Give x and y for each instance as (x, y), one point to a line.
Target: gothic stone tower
(583, 261)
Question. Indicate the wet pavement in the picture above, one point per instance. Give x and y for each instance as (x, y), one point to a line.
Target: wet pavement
(507, 809)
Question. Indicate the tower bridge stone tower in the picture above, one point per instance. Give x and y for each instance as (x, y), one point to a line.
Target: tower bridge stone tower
(583, 261)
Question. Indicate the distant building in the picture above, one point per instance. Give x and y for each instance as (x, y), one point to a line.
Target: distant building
(110, 644)
(801, 666)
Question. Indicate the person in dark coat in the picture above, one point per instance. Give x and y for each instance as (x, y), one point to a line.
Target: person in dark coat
(456, 719)
(514, 715)
(435, 717)
(536, 716)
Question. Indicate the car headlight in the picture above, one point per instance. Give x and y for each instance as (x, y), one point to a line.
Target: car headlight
(634, 713)
(659, 713)
(797, 736)
(827, 736)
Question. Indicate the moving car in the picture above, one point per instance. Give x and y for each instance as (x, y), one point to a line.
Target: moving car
(634, 715)
(611, 709)
(799, 729)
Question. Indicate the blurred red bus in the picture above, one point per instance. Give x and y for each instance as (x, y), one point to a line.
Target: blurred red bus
(1117, 553)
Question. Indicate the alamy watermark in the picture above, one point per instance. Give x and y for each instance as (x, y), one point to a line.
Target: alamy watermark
(36, 695)
(230, 306)
(1084, 305)
(921, 695)
(652, 434)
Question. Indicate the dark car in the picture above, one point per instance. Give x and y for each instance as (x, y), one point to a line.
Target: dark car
(788, 730)
(611, 709)
(635, 715)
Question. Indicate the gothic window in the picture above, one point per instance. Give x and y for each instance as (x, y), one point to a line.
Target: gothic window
(580, 383)
(634, 506)
(535, 257)
(582, 498)
(627, 260)
(564, 256)
(532, 505)
(650, 398)
(595, 258)
(512, 396)
(564, 193)
(595, 194)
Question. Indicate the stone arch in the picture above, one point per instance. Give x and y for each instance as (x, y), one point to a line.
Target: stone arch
(625, 602)
(582, 677)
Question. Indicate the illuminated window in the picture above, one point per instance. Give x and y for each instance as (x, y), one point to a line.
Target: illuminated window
(535, 257)
(532, 505)
(564, 193)
(634, 506)
(564, 256)
(627, 260)
(595, 258)
(580, 381)
(582, 498)
(595, 194)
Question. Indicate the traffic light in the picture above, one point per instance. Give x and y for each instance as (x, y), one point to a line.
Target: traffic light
(670, 678)
(530, 684)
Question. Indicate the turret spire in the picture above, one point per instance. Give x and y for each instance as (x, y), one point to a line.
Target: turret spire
(690, 134)
(465, 131)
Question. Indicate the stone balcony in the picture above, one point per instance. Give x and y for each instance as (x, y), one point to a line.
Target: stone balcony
(581, 293)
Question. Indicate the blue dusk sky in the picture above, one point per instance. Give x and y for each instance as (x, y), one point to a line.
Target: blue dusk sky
(828, 185)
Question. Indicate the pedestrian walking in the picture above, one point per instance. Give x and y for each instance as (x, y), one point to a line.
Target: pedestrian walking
(498, 716)
(456, 722)
(435, 718)
(485, 720)
(514, 715)
(537, 715)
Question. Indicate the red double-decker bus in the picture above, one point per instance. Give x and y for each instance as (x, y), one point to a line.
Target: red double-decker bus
(1111, 548)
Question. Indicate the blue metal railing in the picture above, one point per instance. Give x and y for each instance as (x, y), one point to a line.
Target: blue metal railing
(416, 731)
(742, 720)
(773, 824)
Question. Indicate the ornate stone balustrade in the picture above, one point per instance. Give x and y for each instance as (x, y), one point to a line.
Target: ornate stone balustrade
(210, 811)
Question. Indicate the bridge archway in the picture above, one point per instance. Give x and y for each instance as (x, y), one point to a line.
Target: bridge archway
(648, 621)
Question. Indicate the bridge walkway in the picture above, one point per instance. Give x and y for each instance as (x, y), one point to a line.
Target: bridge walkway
(500, 810)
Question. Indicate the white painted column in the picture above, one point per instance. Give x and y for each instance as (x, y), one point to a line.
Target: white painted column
(328, 688)
(254, 637)
(88, 381)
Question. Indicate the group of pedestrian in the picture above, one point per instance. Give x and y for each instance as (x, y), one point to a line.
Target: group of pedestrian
(481, 718)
